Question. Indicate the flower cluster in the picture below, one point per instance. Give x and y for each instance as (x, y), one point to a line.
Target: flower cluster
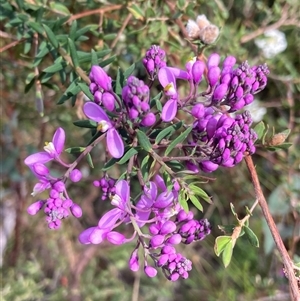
(213, 136)
(58, 205)
(135, 95)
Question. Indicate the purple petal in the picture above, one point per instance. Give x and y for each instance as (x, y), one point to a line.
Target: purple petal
(98, 235)
(116, 238)
(94, 112)
(150, 191)
(178, 73)
(123, 190)
(115, 143)
(208, 166)
(164, 200)
(41, 157)
(58, 140)
(84, 237)
(165, 77)
(109, 219)
(160, 182)
(100, 77)
(169, 110)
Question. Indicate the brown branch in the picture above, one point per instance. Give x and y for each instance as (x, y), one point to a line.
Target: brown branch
(12, 44)
(295, 293)
(95, 11)
(284, 18)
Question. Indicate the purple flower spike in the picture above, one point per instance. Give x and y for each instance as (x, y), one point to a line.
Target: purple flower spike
(52, 149)
(114, 141)
(99, 76)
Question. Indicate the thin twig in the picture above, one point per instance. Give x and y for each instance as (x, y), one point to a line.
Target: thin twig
(294, 290)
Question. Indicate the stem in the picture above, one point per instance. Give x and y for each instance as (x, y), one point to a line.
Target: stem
(83, 154)
(294, 290)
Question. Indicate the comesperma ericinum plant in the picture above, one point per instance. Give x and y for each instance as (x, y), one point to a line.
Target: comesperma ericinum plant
(162, 152)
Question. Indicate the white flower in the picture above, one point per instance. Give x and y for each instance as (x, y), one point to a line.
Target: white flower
(257, 110)
(272, 43)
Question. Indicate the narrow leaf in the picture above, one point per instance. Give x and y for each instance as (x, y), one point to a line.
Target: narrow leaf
(144, 141)
(89, 159)
(178, 140)
(108, 165)
(260, 129)
(168, 131)
(75, 150)
(85, 124)
(73, 53)
(51, 36)
(196, 203)
(130, 153)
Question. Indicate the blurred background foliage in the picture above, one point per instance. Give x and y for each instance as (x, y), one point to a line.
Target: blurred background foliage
(39, 264)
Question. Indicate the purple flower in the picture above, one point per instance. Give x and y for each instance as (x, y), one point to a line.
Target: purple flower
(52, 149)
(108, 221)
(114, 141)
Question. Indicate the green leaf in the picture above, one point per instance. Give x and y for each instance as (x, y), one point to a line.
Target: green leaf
(86, 124)
(94, 58)
(109, 37)
(260, 129)
(227, 229)
(145, 167)
(233, 210)
(85, 29)
(108, 61)
(72, 90)
(200, 192)
(73, 53)
(85, 89)
(279, 147)
(144, 141)
(59, 7)
(73, 30)
(227, 254)
(251, 236)
(75, 150)
(168, 131)
(119, 81)
(89, 159)
(178, 140)
(182, 199)
(220, 243)
(129, 71)
(196, 202)
(108, 165)
(36, 27)
(51, 36)
(130, 153)
(55, 67)
(136, 11)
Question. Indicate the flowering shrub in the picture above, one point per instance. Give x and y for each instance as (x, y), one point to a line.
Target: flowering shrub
(154, 134)
(140, 132)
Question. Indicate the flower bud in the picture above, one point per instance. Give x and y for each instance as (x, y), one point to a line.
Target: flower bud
(168, 250)
(150, 271)
(156, 240)
(40, 169)
(167, 227)
(115, 238)
(213, 75)
(76, 210)
(134, 261)
(108, 101)
(148, 120)
(99, 76)
(197, 71)
(75, 175)
(175, 239)
(219, 93)
(59, 186)
(34, 208)
(163, 260)
(213, 60)
(208, 166)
